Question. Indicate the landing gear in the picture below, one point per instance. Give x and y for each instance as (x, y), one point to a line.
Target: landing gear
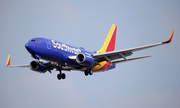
(61, 76)
(88, 72)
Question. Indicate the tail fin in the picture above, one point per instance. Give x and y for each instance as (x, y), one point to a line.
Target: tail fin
(109, 44)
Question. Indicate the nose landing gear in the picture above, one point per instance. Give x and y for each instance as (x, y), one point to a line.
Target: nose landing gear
(61, 76)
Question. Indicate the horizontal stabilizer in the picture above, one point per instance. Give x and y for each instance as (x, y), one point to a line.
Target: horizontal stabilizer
(120, 61)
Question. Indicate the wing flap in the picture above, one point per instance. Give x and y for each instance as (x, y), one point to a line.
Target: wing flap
(121, 61)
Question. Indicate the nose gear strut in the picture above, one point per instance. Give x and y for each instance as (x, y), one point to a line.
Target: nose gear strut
(60, 75)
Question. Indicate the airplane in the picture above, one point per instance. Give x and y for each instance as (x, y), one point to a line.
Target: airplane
(65, 57)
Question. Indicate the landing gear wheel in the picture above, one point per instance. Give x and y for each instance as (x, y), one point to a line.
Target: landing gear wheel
(63, 76)
(59, 76)
(90, 72)
(86, 73)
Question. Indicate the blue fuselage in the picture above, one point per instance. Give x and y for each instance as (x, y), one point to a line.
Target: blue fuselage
(54, 51)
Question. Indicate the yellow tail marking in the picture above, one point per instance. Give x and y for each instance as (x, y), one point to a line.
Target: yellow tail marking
(102, 50)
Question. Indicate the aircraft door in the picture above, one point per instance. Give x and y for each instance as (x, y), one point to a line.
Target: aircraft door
(48, 43)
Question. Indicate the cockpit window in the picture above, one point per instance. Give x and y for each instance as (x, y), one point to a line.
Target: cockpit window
(34, 41)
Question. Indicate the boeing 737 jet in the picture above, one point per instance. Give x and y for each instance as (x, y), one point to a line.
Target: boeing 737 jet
(65, 57)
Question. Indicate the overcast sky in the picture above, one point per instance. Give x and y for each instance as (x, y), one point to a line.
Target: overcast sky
(147, 83)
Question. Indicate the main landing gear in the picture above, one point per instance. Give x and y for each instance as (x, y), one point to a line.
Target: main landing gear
(88, 72)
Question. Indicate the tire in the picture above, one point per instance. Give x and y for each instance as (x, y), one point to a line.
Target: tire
(86, 73)
(90, 72)
(63, 76)
(59, 76)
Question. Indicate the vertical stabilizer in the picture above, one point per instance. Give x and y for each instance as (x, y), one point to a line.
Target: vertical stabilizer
(109, 44)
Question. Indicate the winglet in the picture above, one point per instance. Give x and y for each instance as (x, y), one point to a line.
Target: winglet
(169, 38)
(8, 61)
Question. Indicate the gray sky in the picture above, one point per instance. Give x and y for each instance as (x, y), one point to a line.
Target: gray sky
(148, 83)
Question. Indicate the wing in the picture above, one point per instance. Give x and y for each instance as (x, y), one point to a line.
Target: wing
(49, 65)
(8, 63)
(109, 56)
(131, 59)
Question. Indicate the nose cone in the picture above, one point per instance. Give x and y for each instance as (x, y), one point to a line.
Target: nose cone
(28, 46)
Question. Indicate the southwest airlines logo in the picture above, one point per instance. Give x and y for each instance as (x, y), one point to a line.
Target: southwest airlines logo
(65, 47)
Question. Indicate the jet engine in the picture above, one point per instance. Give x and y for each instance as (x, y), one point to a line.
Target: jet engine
(38, 67)
(85, 59)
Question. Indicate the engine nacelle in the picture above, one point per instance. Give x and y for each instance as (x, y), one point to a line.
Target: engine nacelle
(85, 59)
(38, 67)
